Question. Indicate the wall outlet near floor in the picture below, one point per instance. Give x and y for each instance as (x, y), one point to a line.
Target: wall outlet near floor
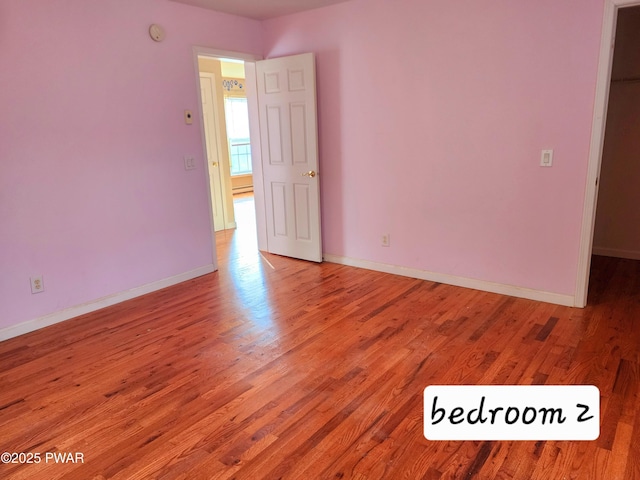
(37, 284)
(385, 240)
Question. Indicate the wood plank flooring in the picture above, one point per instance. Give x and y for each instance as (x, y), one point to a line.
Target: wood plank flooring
(276, 368)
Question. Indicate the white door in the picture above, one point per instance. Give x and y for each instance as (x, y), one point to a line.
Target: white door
(210, 135)
(289, 144)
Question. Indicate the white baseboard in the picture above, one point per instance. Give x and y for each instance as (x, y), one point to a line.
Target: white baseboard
(68, 313)
(614, 252)
(541, 296)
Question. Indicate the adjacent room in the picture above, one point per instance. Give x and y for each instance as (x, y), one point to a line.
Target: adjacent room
(239, 239)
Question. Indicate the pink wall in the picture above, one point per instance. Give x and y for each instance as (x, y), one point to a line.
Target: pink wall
(93, 191)
(432, 118)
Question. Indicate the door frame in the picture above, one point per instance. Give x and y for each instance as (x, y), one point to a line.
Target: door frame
(254, 128)
(601, 104)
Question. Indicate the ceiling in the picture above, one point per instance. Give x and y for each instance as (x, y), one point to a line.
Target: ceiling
(260, 9)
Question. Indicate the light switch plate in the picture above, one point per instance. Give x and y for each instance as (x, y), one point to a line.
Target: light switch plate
(546, 159)
(188, 117)
(189, 163)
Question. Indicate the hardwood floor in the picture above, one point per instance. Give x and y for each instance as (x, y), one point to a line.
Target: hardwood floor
(277, 368)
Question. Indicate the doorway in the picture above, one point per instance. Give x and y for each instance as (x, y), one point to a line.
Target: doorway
(228, 148)
(616, 237)
(617, 225)
(611, 10)
(284, 153)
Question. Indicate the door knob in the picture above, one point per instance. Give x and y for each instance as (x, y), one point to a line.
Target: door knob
(310, 173)
(215, 164)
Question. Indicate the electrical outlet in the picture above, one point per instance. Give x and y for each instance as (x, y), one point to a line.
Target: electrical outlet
(385, 240)
(37, 285)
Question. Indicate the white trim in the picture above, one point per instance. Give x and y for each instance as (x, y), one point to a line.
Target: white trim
(482, 285)
(597, 140)
(68, 313)
(615, 252)
(221, 54)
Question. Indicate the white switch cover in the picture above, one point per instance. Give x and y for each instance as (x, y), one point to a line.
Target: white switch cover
(188, 117)
(546, 159)
(189, 163)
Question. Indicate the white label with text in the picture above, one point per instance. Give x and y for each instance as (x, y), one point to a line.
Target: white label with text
(511, 412)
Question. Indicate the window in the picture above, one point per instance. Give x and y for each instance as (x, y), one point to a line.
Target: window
(237, 116)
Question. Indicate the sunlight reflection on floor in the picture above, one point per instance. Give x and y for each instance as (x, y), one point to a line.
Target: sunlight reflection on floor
(239, 257)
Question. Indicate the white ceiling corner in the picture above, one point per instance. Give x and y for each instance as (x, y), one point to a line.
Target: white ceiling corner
(260, 9)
